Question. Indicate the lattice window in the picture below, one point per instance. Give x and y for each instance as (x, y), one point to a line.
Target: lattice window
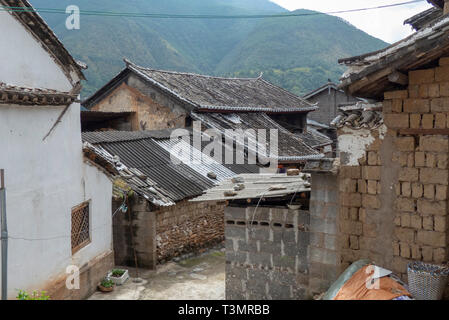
(80, 227)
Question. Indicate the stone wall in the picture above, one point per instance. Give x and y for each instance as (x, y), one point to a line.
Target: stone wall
(166, 233)
(266, 253)
(187, 227)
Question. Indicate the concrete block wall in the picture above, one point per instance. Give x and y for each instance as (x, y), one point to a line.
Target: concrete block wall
(143, 237)
(324, 255)
(266, 253)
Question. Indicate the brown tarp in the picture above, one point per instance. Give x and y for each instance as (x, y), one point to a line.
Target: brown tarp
(360, 287)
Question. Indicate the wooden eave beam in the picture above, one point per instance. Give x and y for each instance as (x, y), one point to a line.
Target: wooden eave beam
(398, 78)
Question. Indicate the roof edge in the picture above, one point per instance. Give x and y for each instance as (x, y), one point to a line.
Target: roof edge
(33, 22)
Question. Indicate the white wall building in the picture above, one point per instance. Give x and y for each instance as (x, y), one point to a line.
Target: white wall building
(46, 179)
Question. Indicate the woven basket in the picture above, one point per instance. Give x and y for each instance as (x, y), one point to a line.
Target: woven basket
(427, 281)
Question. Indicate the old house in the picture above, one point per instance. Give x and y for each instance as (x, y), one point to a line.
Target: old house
(57, 203)
(393, 175)
(161, 222)
(165, 99)
(328, 98)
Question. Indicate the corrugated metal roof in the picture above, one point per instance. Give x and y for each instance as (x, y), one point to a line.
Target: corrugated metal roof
(152, 158)
(198, 161)
(178, 181)
(290, 146)
(257, 186)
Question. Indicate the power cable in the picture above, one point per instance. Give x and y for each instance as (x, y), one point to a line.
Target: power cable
(191, 16)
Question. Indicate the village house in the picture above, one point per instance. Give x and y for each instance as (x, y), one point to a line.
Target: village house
(328, 98)
(393, 172)
(58, 204)
(165, 99)
(161, 223)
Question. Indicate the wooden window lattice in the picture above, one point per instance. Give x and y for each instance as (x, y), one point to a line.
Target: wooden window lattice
(80, 227)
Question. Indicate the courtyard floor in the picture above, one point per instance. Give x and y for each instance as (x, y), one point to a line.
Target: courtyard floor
(200, 277)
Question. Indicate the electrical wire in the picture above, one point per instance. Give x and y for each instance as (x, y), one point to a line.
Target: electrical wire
(192, 16)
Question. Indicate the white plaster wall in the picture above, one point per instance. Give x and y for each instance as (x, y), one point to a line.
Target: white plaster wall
(23, 60)
(354, 142)
(44, 180)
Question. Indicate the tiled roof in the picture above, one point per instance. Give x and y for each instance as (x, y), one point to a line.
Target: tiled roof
(27, 96)
(359, 116)
(202, 92)
(422, 19)
(327, 165)
(291, 147)
(368, 75)
(151, 154)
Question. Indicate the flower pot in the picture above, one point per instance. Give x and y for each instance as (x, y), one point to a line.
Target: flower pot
(104, 289)
(119, 281)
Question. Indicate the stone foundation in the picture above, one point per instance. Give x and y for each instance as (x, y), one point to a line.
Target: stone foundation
(91, 275)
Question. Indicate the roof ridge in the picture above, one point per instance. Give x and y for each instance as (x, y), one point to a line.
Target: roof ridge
(128, 62)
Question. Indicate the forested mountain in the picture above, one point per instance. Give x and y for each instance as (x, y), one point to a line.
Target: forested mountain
(297, 53)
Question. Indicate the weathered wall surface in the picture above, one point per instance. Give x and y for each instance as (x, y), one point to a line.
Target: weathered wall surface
(135, 230)
(149, 115)
(45, 180)
(26, 63)
(266, 253)
(328, 102)
(394, 201)
(415, 116)
(187, 227)
(323, 251)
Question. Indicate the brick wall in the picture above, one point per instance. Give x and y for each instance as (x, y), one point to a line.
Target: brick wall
(188, 226)
(266, 253)
(393, 204)
(416, 116)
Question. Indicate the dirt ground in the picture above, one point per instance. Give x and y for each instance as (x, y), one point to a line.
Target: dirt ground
(197, 278)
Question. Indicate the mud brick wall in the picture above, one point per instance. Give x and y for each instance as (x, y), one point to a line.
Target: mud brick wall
(266, 253)
(418, 116)
(187, 227)
(324, 256)
(394, 201)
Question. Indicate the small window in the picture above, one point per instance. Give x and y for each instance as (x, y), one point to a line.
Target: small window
(80, 226)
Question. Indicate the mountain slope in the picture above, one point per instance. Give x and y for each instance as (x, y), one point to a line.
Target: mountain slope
(305, 48)
(295, 53)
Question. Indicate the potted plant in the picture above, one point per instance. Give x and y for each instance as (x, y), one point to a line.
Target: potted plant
(106, 285)
(118, 276)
